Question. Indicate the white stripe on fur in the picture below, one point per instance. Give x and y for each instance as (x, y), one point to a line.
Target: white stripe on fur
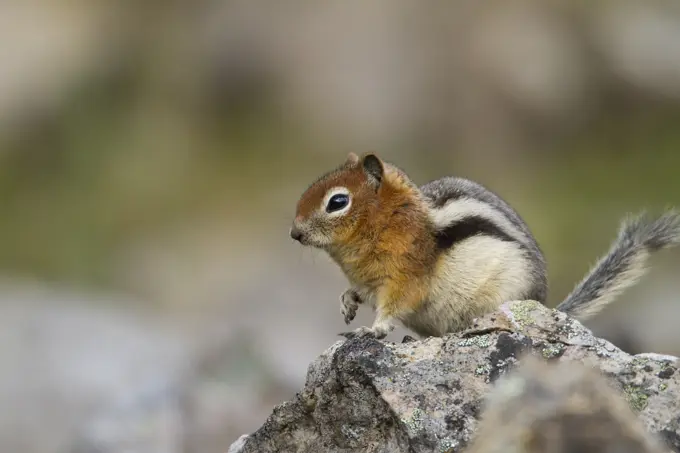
(461, 208)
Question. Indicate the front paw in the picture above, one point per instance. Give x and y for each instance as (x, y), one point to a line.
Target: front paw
(367, 332)
(349, 304)
(361, 332)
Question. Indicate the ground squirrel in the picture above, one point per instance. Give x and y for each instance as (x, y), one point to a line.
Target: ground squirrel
(437, 256)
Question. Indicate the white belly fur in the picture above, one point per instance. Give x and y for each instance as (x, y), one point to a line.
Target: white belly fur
(471, 279)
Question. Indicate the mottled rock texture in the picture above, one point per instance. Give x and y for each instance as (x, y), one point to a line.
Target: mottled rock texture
(564, 408)
(366, 395)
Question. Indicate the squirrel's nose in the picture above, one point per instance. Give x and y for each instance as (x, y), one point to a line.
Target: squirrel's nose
(296, 234)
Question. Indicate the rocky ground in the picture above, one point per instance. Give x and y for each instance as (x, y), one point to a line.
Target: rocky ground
(366, 395)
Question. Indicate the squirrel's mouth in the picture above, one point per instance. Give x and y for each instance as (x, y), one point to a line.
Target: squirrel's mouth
(297, 235)
(301, 237)
(303, 240)
(306, 237)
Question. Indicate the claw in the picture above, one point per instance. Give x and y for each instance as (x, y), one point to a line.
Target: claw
(408, 339)
(349, 304)
(361, 332)
(349, 316)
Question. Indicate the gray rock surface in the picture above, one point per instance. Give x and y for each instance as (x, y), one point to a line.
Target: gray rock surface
(565, 407)
(422, 396)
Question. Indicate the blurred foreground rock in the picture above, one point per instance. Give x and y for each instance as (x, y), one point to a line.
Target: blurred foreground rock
(423, 396)
(567, 408)
(102, 372)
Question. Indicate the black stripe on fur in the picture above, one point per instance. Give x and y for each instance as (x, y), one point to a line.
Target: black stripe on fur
(467, 228)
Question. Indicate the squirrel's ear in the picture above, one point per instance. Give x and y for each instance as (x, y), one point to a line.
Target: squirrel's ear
(373, 168)
(352, 159)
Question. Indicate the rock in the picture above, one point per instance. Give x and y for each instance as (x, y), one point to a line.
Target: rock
(153, 422)
(238, 445)
(67, 356)
(566, 408)
(428, 395)
(93, 372)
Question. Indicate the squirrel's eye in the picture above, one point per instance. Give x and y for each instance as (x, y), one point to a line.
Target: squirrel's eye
(337, 202)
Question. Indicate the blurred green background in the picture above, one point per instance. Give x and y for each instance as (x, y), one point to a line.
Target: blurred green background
(151, 155)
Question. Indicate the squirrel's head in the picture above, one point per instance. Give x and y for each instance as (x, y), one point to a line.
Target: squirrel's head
(332, 208)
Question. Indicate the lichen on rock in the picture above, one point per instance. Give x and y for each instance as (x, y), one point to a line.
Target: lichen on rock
(366, 395)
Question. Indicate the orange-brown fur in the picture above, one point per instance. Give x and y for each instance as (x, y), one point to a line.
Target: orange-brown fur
(384, 244)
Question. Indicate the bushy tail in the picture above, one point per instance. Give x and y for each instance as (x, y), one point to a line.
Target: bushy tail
(624, 264)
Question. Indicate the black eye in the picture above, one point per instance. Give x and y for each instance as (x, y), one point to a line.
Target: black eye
(337, 202)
